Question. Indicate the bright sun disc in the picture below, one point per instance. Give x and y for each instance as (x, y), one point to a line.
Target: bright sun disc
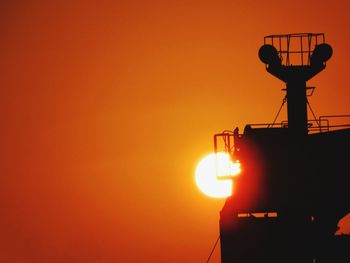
(214, 173)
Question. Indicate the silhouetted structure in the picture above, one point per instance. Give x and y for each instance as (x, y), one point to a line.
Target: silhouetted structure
(294, 184)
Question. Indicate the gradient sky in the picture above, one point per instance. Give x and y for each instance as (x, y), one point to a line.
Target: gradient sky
(107, 106)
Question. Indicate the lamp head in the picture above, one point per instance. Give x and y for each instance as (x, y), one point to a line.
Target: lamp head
(268, 54)
(321, 54)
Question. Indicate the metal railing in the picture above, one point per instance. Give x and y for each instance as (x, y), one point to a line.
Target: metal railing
(324, 123)
(295, 49)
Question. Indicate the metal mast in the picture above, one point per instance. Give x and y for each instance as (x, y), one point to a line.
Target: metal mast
(294, 59)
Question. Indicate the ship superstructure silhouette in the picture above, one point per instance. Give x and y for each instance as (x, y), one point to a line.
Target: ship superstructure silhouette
(295, 179)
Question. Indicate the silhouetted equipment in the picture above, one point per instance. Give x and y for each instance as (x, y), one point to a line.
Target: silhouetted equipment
(295, 179)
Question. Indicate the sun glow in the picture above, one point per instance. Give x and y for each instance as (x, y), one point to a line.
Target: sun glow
(214, 174)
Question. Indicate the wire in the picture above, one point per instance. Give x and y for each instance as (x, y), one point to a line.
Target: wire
(212, 251)
(278, 113)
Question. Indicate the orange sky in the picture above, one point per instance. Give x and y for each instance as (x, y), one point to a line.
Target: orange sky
(107, 106)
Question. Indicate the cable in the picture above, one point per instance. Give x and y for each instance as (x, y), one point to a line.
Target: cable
(283, 102)
(212, 251)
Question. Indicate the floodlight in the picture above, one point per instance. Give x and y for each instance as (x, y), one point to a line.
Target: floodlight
(321, 54)
(268, 54)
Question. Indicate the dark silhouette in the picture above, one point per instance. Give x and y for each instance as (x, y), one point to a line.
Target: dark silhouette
(297, 170)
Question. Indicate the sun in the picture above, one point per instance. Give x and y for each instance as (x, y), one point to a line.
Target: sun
(214, 174)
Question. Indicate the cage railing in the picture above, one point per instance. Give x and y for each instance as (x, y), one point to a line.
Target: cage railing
(295, 49)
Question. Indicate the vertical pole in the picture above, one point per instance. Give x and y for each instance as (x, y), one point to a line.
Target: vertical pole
(297, 107)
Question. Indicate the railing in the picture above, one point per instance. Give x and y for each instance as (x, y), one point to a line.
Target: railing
(329, 123)
(225, 141)
(295, 49)
(227, 138)
(322, 124)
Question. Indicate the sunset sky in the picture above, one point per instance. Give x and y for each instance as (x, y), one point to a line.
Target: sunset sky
(106, 107)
